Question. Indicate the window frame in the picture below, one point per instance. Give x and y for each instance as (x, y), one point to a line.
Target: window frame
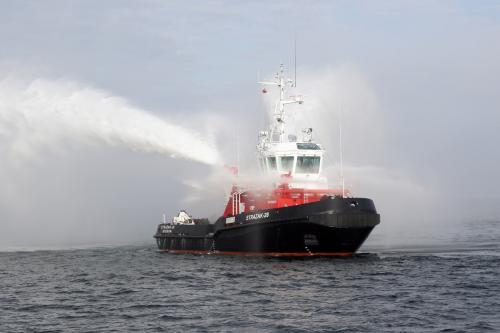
(317, 167)
(280, 165)
(268, 158)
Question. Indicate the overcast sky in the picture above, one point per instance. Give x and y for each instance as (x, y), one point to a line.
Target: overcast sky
(419, 81)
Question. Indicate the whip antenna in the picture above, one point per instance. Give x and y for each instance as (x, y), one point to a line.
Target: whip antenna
(341, 153)
(295, 60)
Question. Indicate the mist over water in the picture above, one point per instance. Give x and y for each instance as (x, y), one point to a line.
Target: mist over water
(77, 158)
(60, 117)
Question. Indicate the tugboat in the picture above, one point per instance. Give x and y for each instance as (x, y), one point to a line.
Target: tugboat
(299, 215)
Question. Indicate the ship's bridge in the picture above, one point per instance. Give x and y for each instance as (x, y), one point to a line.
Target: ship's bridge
(302, 162)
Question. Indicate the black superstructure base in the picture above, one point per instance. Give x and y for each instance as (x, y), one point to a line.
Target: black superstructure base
(331, 226)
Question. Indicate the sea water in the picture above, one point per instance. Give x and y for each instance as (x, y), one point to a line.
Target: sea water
(450, 286)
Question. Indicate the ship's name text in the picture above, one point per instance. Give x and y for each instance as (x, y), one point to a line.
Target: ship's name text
(257, 216)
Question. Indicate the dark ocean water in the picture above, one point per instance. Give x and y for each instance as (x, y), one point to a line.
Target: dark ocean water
(451, 286)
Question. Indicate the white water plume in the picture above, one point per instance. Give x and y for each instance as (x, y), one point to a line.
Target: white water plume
(48, 113)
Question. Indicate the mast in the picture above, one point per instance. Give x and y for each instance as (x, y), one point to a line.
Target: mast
(278, 128)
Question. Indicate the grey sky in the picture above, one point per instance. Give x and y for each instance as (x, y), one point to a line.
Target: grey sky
(431, 65)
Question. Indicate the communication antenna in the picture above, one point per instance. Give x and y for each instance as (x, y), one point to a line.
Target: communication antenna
(237, 146)
(341, 153)
(295, 60)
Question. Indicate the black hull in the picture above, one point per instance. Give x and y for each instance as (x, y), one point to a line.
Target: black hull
(333, 226)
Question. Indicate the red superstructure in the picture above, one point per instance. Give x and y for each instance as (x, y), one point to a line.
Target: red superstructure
(282, 196)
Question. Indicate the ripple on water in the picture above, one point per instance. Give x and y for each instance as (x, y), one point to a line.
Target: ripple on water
(139, 289)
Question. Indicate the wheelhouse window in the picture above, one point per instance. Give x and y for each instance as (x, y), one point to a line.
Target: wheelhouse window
(286, 163)
(308, 164)
(271, 163)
